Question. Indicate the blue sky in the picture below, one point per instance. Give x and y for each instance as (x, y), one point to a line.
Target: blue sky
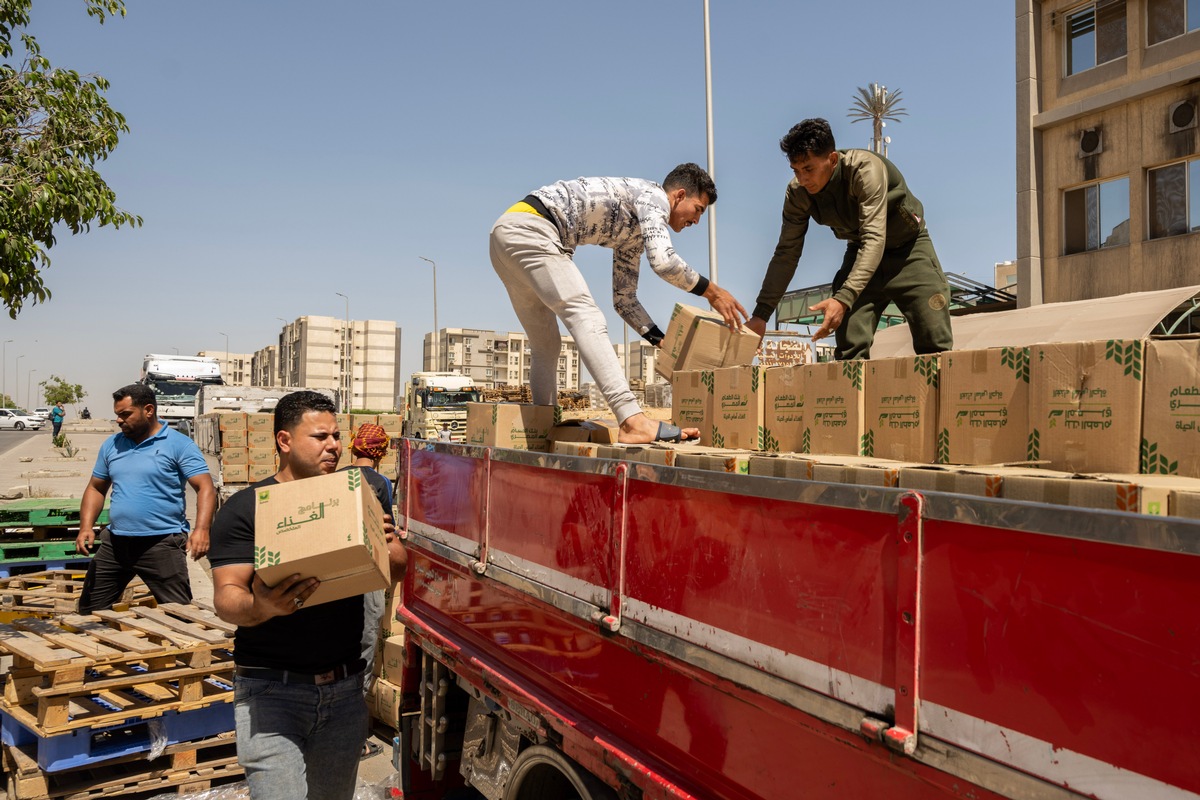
(284, 150)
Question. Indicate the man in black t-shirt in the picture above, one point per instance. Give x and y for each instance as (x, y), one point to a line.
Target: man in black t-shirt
(298, 703)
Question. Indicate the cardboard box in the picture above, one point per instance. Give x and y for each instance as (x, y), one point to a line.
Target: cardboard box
(235, 455)
(900, 409)
(1171, 408)
(571, 430)
(231, 421)
(260, 472)
(859, 471)
(983, 406)
(1185, 504)
(782, 466)
(392, 600)
(715, 459)
(511, 425)
(692, 401)
(570, 448)
(1085, 405)
(698, 339)
(234, 473)
(738, 394)
(783, 409)
(833, 415)
(1081, 491)
(329, 527)
(390, 423)
(344, 425)
(260, 439)
(233, 440)
(1159, 495)
(384, 699)
(261, 457)
(978, 481)
(259, 423)
(391, 660)
(358, 420)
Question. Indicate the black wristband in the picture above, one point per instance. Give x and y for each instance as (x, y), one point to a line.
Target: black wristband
(654, 336)
(701, 287)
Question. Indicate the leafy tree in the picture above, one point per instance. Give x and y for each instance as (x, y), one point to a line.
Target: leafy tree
(6, 401)
(56, 390)
(55, 124)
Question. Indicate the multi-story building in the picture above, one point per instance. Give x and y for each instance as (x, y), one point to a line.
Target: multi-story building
(235, 367)
(494, 359)
(640, 365)
(359, 360)
(1108, 147)
(264, 366)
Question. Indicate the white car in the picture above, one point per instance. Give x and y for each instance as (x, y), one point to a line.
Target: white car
(19, 419)
(42, 412)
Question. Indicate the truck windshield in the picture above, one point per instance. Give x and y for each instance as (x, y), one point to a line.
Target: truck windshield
(175, 392)
(442, 399)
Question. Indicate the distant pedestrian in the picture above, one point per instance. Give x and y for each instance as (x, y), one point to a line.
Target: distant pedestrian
(57, 415)
(148, 465)
(444, 434)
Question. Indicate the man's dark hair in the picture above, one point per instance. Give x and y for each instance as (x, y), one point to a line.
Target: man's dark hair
(810, 137)
(292, 408)
(139, 394)
(693, 180)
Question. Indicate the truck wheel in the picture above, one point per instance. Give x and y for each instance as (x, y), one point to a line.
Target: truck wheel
(543, 773)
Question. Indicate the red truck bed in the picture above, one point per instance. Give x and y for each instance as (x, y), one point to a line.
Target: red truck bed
(697, 634)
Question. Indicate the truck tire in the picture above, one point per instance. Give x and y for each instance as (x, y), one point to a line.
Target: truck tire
(543, 773)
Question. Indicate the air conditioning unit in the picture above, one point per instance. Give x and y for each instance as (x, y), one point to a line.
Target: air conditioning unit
(1091, 142)
(1181, 116)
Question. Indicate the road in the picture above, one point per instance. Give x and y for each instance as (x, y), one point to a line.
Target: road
(10, 439)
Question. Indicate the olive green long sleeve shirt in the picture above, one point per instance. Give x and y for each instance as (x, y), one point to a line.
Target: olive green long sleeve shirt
(866, 203)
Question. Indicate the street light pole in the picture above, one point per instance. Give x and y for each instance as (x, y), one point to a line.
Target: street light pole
(17, 376)
(4, 369)
(226, 335)
(712, 212)
(348, 369)
(436, 361)
(29, 387)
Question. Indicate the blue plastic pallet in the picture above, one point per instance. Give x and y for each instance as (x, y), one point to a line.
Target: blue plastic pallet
(9, 569)
(93, 745)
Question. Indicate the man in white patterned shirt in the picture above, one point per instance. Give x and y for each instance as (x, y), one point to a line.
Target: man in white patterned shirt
(531, 248)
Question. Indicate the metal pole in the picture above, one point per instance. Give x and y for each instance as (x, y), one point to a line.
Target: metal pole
(17, 377)
(4, 369)
(712, 212)
(227, 367)
(436, 361)
(29, 387)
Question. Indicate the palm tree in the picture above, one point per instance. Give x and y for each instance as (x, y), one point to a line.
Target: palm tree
(877, 105)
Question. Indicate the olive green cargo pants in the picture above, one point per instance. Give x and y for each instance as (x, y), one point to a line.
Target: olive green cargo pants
(909, 276)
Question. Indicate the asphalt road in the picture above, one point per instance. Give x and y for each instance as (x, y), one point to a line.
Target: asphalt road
(10, 438)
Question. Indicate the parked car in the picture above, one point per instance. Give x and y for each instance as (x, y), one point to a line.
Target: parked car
(42, 411)
(19, 419)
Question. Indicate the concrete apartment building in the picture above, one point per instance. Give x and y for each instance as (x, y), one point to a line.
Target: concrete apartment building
(323, 353)
(1108, 147)
(493, 359)
(641, 361)
(264, 366)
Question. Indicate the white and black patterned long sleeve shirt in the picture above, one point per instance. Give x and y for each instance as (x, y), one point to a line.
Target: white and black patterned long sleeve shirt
(630, 216)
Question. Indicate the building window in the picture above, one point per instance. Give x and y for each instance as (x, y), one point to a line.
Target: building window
(1174, 197)
(1096, 216)
(1166, 19)
(1095, 35)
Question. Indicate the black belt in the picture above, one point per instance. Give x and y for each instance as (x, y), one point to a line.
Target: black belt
(538, 206)
(340, 672)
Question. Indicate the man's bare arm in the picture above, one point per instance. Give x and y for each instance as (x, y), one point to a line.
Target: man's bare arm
(241, 598)
(89, 510)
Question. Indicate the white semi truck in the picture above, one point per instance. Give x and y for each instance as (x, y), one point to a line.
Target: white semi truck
(434, 399)
(175, 381)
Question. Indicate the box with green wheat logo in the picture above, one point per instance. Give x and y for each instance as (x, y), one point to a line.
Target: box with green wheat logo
(738, 394)
(329, 527)
(692, 401)
(900, 408)
(983, 406)
(1085, 405)
(833, 408)
(516, 426)
(1171, 417)
(783, 409)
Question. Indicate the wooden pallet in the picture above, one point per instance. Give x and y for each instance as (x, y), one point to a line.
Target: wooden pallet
(45, 511)
(111, 666)
(191, 766)
(56, 592)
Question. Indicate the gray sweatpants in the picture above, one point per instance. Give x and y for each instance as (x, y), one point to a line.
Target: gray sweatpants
(545, 286)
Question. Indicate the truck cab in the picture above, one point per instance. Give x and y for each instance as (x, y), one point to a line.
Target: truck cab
(175, 380)
(434, 399)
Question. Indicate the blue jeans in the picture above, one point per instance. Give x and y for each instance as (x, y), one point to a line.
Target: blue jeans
(298, 740)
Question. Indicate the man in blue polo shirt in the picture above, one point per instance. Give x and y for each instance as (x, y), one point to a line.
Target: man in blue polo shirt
(147, 465)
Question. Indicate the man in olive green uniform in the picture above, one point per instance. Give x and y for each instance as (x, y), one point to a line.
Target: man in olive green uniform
(889, 257)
